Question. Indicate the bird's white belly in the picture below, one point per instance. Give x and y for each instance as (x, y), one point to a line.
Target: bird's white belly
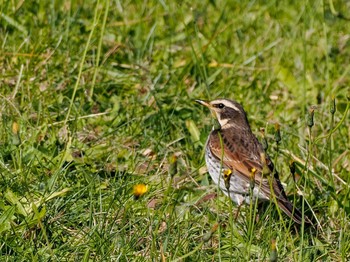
(239, 190)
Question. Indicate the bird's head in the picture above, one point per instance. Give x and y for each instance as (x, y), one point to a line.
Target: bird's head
(229, 113)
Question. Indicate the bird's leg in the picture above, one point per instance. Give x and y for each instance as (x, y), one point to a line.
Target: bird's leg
(238, 210)
(257, 217)
(261, 208)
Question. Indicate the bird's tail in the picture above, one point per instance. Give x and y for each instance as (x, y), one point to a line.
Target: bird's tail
(286, 206)
(294, 213)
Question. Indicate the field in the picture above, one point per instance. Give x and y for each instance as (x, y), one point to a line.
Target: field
(102, 143)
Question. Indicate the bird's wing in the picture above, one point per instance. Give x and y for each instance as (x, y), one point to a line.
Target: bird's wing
(243, 160)
(246, 164)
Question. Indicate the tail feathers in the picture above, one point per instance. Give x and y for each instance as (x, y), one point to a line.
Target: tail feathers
(294, 213)
(286, 205)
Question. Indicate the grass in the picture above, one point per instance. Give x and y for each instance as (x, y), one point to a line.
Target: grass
(98, 96)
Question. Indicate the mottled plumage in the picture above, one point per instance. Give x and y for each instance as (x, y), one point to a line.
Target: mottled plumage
(238, 163)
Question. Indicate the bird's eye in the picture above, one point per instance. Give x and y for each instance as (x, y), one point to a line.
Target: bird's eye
(221, 105)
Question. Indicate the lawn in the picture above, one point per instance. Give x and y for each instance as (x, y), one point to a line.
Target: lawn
(102, 143)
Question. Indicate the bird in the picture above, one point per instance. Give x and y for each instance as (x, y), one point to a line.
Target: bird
(238, 163)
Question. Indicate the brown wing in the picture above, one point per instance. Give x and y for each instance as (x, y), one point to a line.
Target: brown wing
(244, 155)
(239, 155)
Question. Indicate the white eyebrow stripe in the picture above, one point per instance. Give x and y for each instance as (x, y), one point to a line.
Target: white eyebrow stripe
(234, 107)
(229, 104)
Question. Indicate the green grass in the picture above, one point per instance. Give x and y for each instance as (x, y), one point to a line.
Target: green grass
(97, 97)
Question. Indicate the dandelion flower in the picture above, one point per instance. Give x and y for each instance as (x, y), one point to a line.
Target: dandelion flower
(139, 190)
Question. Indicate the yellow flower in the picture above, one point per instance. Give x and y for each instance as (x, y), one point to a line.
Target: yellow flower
(140, 190)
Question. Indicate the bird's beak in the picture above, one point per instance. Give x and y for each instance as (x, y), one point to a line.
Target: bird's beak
(204, 103)
(207, 104)
(211, 108)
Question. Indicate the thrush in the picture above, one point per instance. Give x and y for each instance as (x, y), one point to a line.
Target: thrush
(238, 163)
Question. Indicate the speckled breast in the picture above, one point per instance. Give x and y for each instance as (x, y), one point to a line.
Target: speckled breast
(239, 190)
